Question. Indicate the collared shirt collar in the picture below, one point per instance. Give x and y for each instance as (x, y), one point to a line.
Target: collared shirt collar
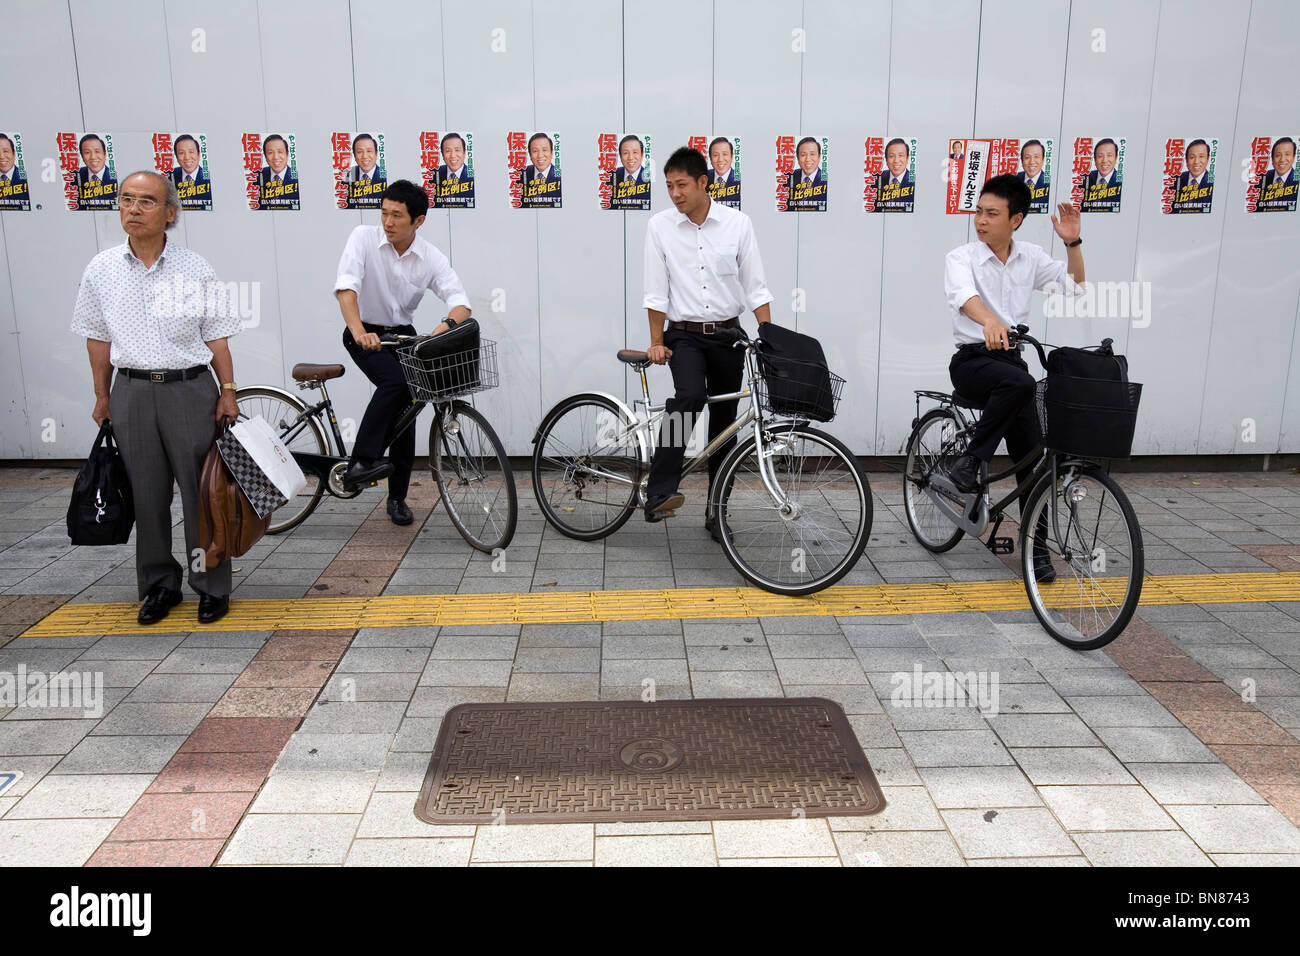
(711, 214)
(414, 247)
(129, 254)
(987, 253)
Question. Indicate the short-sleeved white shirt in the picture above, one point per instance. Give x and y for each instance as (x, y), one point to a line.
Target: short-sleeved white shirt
(1005, 288)
(389, 287)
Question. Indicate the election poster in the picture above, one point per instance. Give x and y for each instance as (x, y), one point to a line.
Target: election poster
(968, 170)
(14, 192)
(447, 168)
(89, 172)
(360, 176)
(889, 174)
(723, 156)
(184, 157)
(623, 171)
(271, 171)
(1188, 176)
(533, 162)
(1098, 173)
(1030, 158)
(802, 173)
(1272, 187)
(972, 162)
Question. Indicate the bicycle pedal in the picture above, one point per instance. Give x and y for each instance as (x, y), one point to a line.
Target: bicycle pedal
(1001, 545)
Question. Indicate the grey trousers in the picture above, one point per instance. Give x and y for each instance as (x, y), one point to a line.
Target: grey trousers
(165, 430)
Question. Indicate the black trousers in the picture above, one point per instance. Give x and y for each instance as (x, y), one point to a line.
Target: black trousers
(1000, 381)
(701, 365)
(390, 400)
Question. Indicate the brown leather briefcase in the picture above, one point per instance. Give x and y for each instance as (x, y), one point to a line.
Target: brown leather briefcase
(228, 525)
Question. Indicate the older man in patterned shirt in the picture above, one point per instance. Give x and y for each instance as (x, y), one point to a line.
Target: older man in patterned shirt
(146, 309)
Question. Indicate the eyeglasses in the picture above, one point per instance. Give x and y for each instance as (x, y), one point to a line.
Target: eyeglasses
(143, 203)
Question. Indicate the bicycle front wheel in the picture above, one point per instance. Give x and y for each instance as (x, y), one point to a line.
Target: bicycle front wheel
(820, 533)
(1095, 549)
(474, 477)
(930, 448)
(300, 432)
(587, 467)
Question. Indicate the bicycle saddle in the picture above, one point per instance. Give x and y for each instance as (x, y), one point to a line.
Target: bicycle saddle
(632, 357)
(306, 372)
(965, 402)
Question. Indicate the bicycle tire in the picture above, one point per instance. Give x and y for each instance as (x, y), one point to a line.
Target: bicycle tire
(1084, 608)
(576, 501)
(275, 406)
(473, 474)
(930, 526)
(822, 541)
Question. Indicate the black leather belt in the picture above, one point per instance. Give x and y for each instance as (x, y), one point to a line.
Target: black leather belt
(705, 328)
(169, 375)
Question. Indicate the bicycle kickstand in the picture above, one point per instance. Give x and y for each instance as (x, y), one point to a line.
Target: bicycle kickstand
(999, 545)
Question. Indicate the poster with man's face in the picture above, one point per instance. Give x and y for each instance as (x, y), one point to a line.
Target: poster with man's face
(803, 173)
(360, 176)
(1188, 175)
(1033, 167)
(447, 167)
(889, 174)
(14, 192)
(184, 158)
(625, 170)
(1098, 173)
(271, 171)
(533, 160)
(89, 171)
(1273, 180)
(722, 154)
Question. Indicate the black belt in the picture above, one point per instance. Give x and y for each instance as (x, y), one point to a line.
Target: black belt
(705, 328)
(169, 375)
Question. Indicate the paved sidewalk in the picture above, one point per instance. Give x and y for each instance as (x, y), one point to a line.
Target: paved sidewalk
(1178, 744)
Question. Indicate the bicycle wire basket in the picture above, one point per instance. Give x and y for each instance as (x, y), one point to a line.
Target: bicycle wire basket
(456, 373)
(796, 389)
(1087, 417)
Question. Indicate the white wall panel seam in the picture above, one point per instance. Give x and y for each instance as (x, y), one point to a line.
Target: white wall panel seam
(1137, 232)
(880, 291)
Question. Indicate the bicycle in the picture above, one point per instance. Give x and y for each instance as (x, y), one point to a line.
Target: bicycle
(792, 503)
(1096, 556)
(468, 461)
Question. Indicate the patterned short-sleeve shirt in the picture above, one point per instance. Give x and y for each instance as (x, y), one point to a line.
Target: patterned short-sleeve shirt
(156, 317)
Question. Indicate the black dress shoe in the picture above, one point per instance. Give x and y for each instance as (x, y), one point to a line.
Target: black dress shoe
(212, 608)
(662, 506)
(398, 511)
(712, 527)
(965, 473)
(157, 603)
(366, 472)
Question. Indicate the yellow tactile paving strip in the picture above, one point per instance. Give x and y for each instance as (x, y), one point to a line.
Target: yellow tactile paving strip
(541, 607)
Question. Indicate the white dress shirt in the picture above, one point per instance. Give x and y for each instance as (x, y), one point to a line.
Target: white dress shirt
(157, 317)
(1004, 288)
(705, 273)
(389, 287)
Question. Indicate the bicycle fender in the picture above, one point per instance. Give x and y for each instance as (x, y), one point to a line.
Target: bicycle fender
(622, 406)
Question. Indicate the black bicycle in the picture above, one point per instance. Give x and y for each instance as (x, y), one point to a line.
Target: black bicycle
(1087, 579)
(468, 461)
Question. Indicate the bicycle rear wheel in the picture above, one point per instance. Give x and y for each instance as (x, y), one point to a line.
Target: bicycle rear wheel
(825, 531)
(1098, 558)
(300, 432)
(929, 449)
(474, 477)
(586, 467)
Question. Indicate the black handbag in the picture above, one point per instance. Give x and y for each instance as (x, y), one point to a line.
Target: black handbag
(795, 373)
(101, 511)
(1087, 405)
(451, 359)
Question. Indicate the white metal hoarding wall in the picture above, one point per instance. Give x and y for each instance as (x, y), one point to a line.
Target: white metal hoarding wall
(560, 289)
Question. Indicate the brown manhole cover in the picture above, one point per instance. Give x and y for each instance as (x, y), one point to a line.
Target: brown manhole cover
(629, 761)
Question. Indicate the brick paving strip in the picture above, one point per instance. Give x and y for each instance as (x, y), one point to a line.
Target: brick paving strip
(187, 815)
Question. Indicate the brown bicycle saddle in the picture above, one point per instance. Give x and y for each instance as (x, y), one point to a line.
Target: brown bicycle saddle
(632, 356)
(306, 372)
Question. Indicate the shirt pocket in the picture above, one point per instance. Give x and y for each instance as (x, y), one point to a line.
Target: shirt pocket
(406, 293)
(724, 260)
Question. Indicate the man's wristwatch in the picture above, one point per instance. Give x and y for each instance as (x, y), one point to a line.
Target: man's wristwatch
(231, 386)
(451, 323)
(1077, 242)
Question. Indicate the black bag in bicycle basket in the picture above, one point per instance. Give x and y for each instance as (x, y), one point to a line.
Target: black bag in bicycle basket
(451, 360)
(795, 375)
(1087, 405)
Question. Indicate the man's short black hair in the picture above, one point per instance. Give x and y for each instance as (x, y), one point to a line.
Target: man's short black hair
(631, 138)
(808, 139)
(537, 136)
(900, 142)
(1100, 144)
(81, 144)
(271, 139)
(360, 137)
(687, 160)
(454, 136)
(415, 199)
(1011, 188)
(176, 144)
(722, 139)
(1195, 142)
(1028, 143)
